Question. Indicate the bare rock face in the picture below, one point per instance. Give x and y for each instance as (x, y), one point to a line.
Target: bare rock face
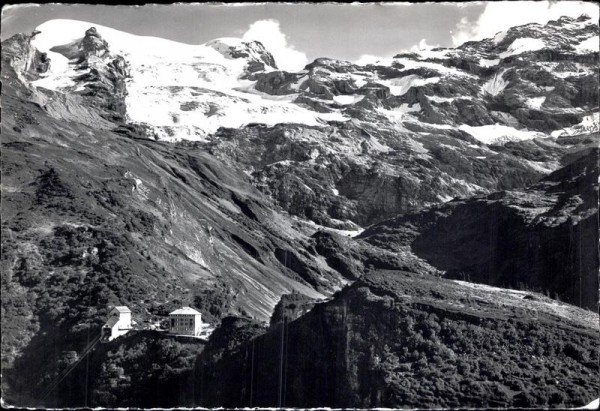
(344, 173)
(257, 57)
(93, 43)
(27, 62)
(275, 82)
(101, 75)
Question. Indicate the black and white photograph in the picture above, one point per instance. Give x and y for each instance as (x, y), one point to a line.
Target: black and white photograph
(300, 205)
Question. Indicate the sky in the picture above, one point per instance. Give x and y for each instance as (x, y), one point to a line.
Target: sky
(296, 34)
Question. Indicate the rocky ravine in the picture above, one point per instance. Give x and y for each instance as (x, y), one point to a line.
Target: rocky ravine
(107, 201)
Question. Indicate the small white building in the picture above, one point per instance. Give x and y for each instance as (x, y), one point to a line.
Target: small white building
(118, 324)
(186, 321)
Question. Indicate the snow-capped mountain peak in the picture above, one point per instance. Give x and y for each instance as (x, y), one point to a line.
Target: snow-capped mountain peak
(232, 48)
(183, 91)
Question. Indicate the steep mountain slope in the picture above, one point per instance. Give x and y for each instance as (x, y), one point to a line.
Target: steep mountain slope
(396, 339)
(360, 143)
(425, 127)
(93, 218)
(543, 238)
(392, 339)
(142, 172)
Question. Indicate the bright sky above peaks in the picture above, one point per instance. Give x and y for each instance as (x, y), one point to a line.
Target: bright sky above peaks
(298, 33)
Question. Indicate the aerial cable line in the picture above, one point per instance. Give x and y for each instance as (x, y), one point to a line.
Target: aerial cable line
(68, 370)
(281, 365)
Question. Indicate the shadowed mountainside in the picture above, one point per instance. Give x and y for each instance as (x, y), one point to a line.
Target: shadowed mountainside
(399, 339)
(542, 238)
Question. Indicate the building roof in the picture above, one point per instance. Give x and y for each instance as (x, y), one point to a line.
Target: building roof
(122, 309)
(111, 322)
(185, 310)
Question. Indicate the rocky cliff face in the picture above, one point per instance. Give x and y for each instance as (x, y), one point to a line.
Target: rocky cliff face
(143, 172)
(425, 127)
(369, 141)
(28, 62)
(543, 238)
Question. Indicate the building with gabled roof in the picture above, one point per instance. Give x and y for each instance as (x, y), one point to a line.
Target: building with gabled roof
(185, 321)
(118, 323)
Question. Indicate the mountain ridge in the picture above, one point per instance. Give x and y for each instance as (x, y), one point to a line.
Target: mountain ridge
(174, 175)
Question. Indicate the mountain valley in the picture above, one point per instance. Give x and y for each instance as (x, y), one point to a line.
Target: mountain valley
(415, 231)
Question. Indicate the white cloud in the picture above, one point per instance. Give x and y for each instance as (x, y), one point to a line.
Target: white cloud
(499, 16)
(365, 59)
(275, 41)
(422, 46)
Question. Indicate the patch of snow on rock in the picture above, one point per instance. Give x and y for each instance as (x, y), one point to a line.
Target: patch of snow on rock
(440, 68)
(522, 45)
(346, 100)
(590, 45)
(433, 54)
(398, 114)
(594, 405)
(488, 63)
(448, 99)
(535, 102)
(499, 134)
(589, 124)
(359, 81)
(573, 70)
(499, 37)
(59, 75)
(399, 86)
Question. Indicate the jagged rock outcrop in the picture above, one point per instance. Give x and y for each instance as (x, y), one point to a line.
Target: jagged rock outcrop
(253, 52)
(27, 62)
(100, 75)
